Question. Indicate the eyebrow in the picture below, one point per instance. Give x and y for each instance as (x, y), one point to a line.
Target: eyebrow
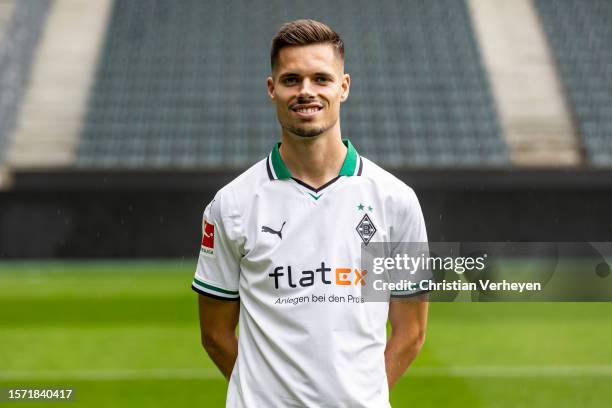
(293, 74)
(288, 75)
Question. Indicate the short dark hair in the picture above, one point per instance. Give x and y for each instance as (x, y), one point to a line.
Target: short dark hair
(304, 32)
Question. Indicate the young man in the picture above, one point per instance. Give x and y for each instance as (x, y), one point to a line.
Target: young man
(281, 251)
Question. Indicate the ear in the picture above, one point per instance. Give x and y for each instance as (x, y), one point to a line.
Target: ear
(271, 93)
(346, 86)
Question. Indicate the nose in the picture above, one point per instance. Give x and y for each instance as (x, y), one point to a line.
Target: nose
(306, 89)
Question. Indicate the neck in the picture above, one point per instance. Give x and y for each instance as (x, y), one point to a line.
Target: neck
(315, 161)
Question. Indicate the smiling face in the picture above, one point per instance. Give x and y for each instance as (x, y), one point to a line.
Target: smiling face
(307, 85)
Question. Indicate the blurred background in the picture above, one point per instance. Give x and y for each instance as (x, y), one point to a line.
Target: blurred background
(119, 120)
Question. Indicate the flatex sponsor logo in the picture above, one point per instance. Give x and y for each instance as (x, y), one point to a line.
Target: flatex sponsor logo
(291, 277)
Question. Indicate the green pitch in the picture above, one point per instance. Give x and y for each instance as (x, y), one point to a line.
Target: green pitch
(125, 334)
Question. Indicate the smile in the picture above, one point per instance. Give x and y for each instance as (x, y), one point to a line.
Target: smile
(306, 110)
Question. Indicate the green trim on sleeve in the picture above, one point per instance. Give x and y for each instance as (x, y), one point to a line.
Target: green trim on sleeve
(215, 288)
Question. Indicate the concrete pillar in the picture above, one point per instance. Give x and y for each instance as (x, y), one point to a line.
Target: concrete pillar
(526, 87)
(55, 103)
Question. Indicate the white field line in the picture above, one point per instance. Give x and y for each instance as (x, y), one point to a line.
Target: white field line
(213, 373)
(95, 375)
(512, 371)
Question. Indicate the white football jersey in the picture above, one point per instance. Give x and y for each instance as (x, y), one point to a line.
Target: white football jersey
(291, 255)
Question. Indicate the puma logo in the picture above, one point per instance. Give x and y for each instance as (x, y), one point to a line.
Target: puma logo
(271, 231)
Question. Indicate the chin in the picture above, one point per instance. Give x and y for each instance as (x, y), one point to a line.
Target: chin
(306, 131)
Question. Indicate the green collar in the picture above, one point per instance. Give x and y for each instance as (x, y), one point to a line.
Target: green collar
(281, 171)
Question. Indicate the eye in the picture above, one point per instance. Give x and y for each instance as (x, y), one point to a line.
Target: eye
(322, 80)
(289, 81)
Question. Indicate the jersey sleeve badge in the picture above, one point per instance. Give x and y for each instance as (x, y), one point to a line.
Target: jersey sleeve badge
(208, 239)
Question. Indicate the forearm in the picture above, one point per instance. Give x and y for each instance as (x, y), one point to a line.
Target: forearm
(223, 351)
(399, 354)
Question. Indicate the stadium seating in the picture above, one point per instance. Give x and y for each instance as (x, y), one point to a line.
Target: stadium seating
(17, 47)
(182, 84)
(580, 33)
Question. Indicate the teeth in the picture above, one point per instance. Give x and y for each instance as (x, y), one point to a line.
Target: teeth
(307, 110)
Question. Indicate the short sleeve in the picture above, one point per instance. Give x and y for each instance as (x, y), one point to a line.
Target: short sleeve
(218, 270)
(410, 236)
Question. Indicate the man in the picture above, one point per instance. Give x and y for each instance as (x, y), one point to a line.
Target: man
(281, 251)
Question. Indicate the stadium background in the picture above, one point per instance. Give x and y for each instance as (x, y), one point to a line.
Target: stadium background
(120, 119)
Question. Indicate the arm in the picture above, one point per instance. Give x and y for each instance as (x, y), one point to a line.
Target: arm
(408, 319)
(218, 321)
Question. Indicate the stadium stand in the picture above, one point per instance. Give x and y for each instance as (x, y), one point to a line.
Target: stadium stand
(581, 33)
(17, 47)
(179, 87)
(169, 94)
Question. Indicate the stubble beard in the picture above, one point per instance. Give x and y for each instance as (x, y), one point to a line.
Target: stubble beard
(306, 132)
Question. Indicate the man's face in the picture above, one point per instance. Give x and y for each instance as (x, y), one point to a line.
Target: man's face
(307, 85)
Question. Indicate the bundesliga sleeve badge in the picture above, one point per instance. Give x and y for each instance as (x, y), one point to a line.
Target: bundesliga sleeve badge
(208, 239)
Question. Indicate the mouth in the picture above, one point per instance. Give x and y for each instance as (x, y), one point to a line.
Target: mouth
(306, 110)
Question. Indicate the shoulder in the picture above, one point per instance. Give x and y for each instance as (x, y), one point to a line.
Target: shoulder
(386, 183)
(241, 189)
(400, 204)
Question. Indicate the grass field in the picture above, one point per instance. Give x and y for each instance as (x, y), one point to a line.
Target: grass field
(125, 334)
